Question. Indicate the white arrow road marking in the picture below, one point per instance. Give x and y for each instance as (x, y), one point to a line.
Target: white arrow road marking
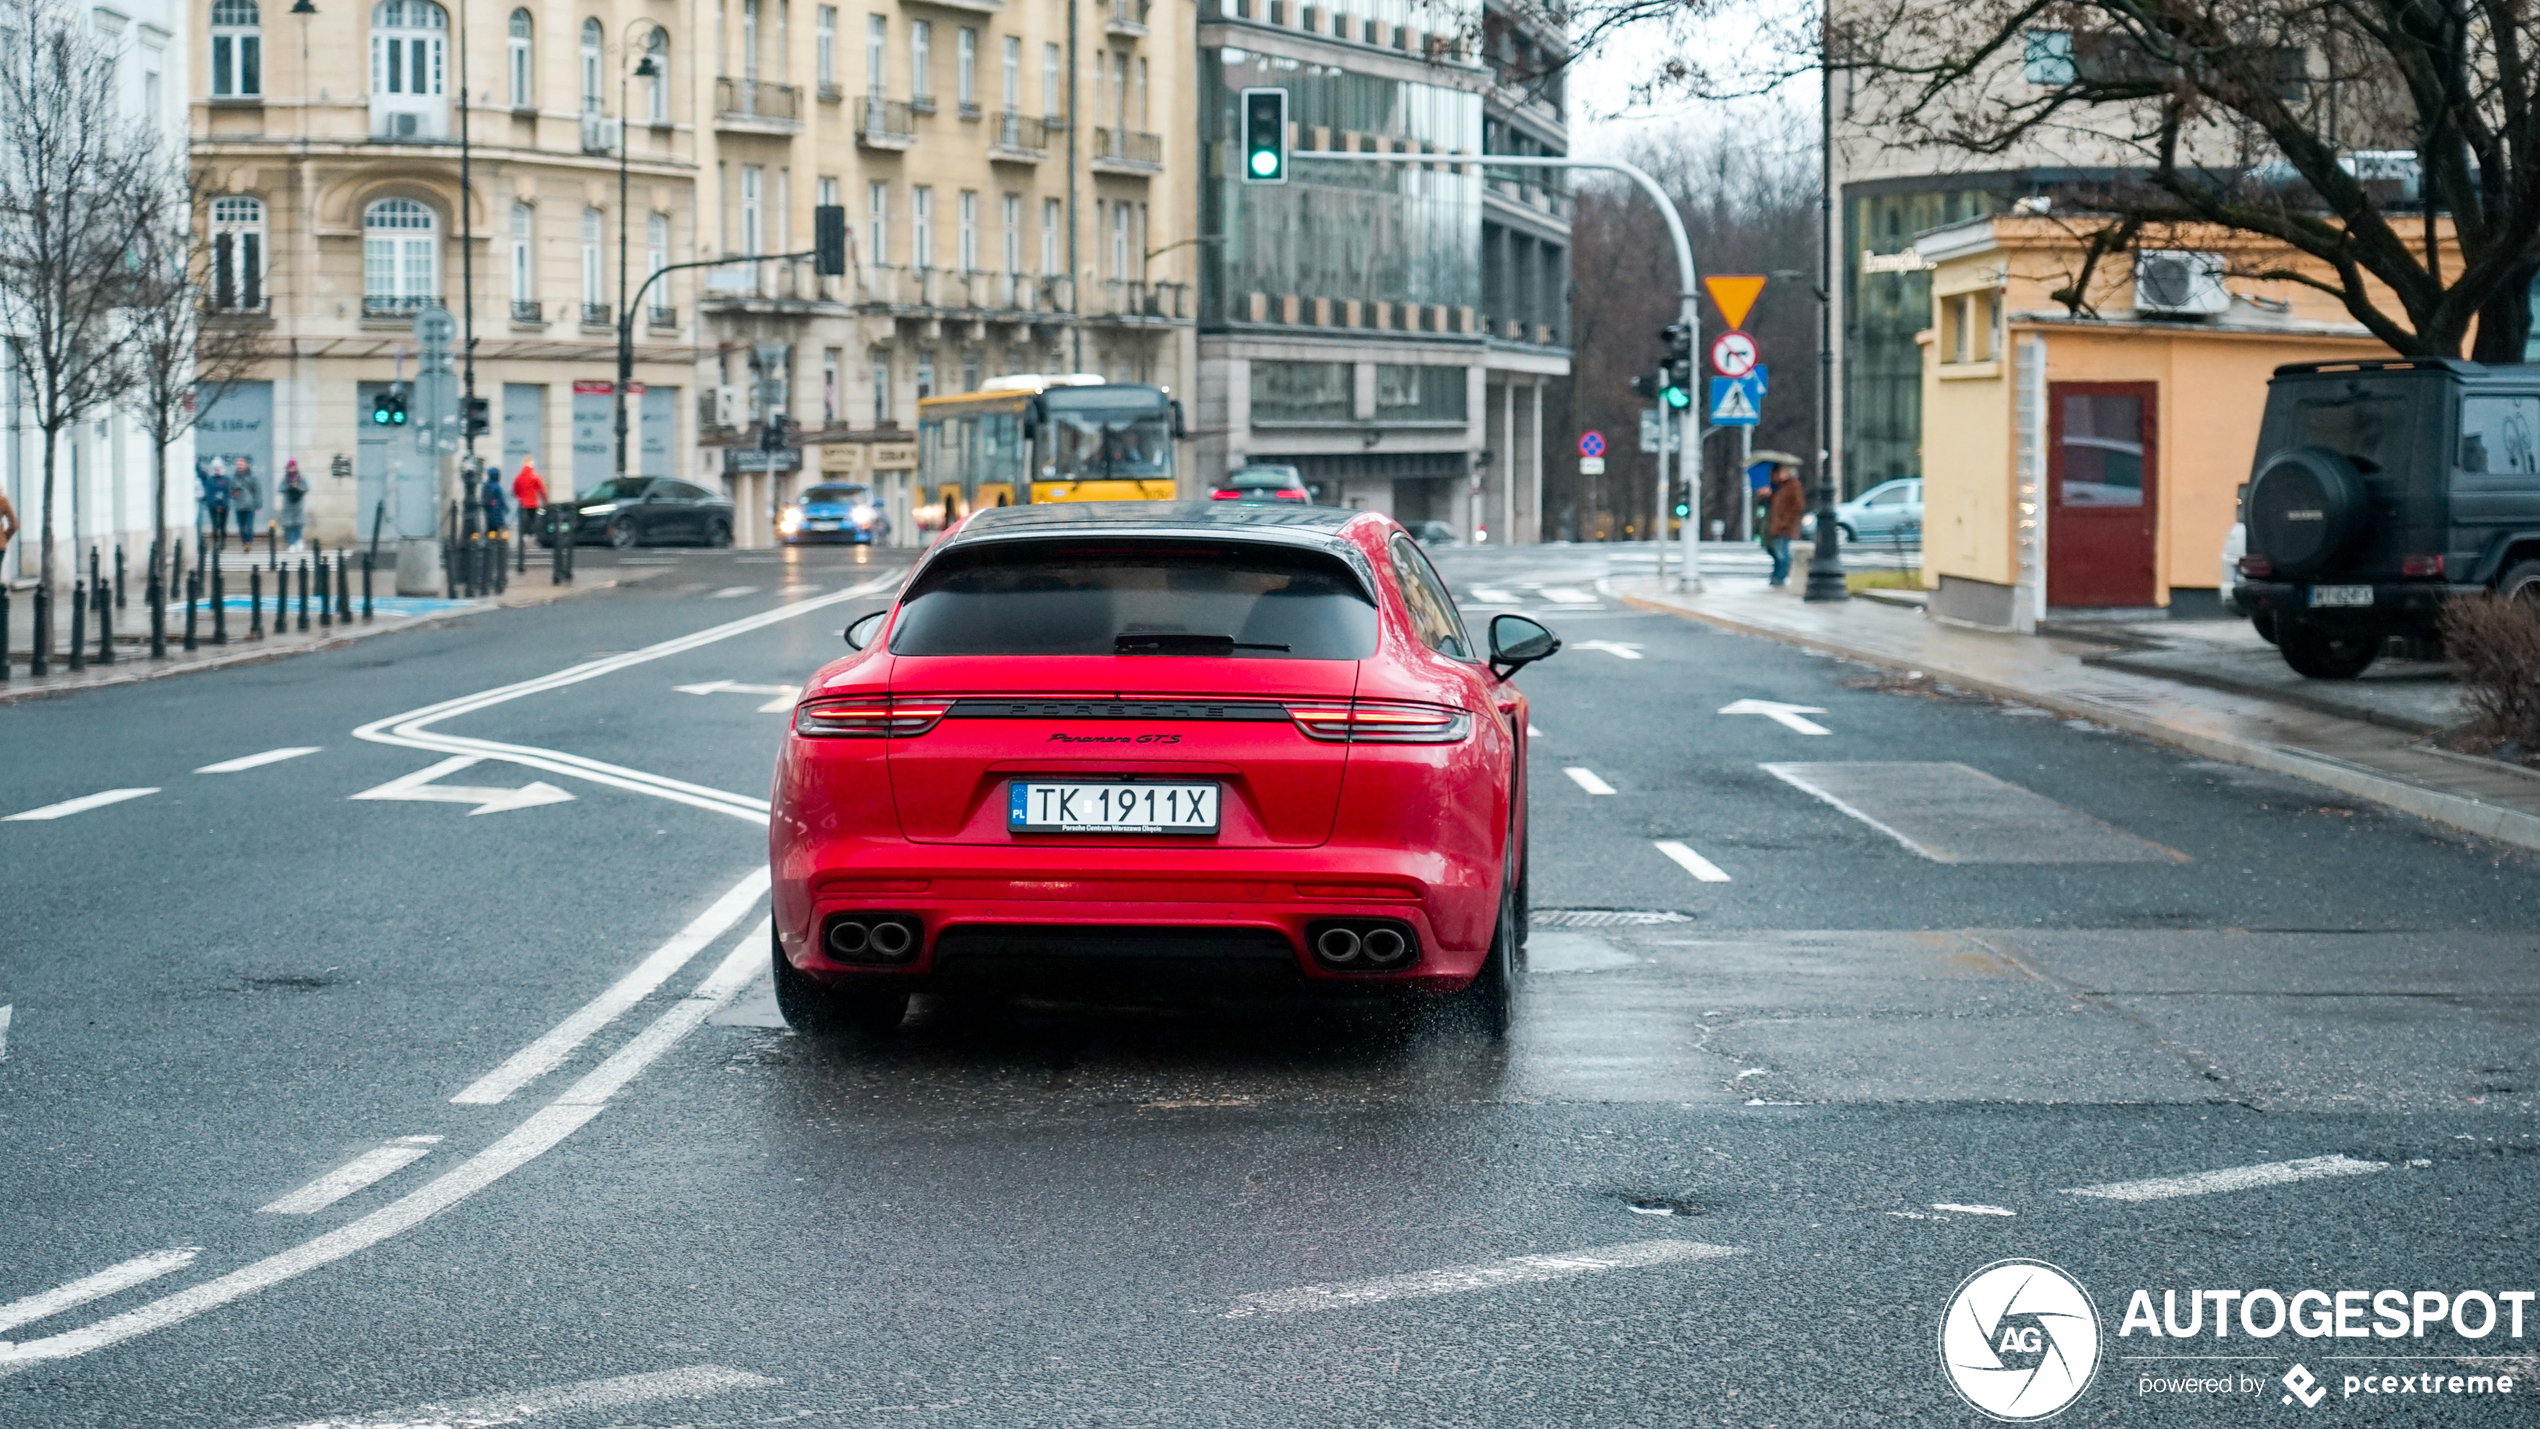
(1586, 779)
(1787, 716)
(695, 1382)
(80, 805)
(1532, 732)
(1619, 649)
(1517, 1270)
(419, 787)
(784, 693)
(2237, 1178)
(257, 761)
(1691, 862)
(540, 1133)
(372, 1165)
(95, 1287)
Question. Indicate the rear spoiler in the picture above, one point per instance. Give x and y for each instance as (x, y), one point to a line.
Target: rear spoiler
(2452, 365)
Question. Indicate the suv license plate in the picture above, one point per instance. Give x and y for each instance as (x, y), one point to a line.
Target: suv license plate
(2322, 595)
(1034, 807)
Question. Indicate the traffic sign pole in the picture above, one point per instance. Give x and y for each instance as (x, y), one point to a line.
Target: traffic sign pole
(421, 476)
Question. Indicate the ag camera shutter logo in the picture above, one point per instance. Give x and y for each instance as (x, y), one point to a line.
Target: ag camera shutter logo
(2020, 1341)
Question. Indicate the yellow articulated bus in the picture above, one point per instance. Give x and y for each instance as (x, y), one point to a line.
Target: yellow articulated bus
(1032, 437)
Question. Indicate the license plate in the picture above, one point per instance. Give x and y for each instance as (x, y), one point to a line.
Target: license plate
(2341, 595)
(1140, 808)
(824, 525)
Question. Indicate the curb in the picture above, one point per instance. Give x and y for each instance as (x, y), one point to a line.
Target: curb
(2477, 816)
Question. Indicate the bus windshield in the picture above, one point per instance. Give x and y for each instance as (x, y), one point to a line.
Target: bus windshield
(1102, 444)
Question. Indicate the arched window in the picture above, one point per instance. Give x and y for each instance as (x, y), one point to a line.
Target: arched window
(238, 61)
(524, 261)
(401, 257)
(238, 253)
(524, 73)
(591, 66)
(657, 92)
(409, 52)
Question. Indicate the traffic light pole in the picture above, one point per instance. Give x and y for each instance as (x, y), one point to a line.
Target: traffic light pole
(1688, 301)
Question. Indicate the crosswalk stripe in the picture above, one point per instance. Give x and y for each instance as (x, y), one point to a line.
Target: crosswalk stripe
(1586, 779)
(1691, 862)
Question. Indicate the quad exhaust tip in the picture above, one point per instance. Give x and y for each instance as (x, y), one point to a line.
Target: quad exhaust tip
(1364, 945)
(878, 938)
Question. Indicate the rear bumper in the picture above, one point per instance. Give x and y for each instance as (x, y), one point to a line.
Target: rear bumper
(849, 537)
(2396, 605)
(1060, 919)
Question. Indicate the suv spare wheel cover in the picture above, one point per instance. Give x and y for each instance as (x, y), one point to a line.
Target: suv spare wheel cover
(2305, 509)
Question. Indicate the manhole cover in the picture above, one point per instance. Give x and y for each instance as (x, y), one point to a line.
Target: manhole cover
(1605, 917)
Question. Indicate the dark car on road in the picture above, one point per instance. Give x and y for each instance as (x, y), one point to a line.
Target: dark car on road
(2383, 490)
(1263, 482)
(652, 511)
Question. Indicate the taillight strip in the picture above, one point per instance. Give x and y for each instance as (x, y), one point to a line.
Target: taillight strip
(868, 717)
(1379, 722)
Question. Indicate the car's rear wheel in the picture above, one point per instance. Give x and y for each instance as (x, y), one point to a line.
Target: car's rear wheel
(2264, 620)
(2521, 581)
(2323, 655)
(719, 535)
(1491, 1001)
(820, 1011)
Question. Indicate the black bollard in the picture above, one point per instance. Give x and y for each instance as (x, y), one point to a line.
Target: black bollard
(343, 591)
(79, 624)
(118, 577)
(304, 595)
(4, 632)
(326, 596)
(193, 588)
(366, 564)
(220, 604)
(255, 603)
(105, 601)
(282, 601)
(40, 645)
(273, 548)
(157, 595)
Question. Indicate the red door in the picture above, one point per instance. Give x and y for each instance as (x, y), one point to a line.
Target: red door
(2103, 493)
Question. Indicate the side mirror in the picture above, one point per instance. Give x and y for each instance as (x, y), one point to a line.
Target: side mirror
(863, 628)
(1179, 431)
(1516, 642)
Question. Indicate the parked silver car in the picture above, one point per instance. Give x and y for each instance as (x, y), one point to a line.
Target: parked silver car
(1888, 513)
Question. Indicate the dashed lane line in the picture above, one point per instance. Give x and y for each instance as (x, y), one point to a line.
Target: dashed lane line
(376, 1164)
(2236, 1178)
(694, 1382)
(1516, 1270)
(1586, 779)
(733, 592)
(109, 1281)
(80, 805)
(1691, 862)
(246, 762)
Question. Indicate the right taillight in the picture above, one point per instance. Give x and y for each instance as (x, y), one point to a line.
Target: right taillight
(2420, 567)
(2259, 567)
(1225, 494)
(868, 717)
(1375, 722)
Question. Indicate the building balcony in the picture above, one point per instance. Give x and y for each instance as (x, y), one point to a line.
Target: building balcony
(598, 315)
(1127, 151)
(831, 92)
(526, 310)
(1126, 19)
(1128, 300)
(397, 305)
(757, 105)
(1017, 138)
(884, 123)
(662, 318)
(950, 290)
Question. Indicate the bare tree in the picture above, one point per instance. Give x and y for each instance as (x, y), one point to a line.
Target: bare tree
(73, 173)
(184, 355)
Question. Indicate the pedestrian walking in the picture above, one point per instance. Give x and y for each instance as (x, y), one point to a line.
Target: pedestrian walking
(295, 496)
(491, 498)
(1788, 506)
(216, 498)
(244, 499)
(528, 492)
(8, 524)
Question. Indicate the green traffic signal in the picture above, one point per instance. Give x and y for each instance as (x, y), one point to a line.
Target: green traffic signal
(1265, 135)
(1676, 397)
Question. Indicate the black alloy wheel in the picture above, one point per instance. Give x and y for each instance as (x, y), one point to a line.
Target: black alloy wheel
(622, 533)
(1491, 1000)
(818, 1011)
(2521, 581)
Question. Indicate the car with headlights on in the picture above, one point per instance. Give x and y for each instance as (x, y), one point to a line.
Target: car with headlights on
(833, 511)
(652, 511)
(1212, 748)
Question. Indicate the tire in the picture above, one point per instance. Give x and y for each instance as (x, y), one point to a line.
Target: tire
(2264, 622)
(2318, 655)
(1490, 1003)
(817, 1011)
(2521, 581)
(1850, 536)
(622, 533)
(719, 535)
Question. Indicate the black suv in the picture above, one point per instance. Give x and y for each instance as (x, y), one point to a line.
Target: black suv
(2382, 490)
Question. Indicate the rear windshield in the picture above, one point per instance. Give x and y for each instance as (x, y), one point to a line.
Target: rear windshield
(2372, 421)
(1036, 598)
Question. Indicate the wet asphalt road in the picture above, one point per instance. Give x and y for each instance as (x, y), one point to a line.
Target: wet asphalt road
(1827, 1082)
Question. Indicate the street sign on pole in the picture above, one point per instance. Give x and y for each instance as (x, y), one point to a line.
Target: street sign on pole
(1736, 401)
(1650, 426)
(1591, 444)
(1591, 466)
(1734, 354)
(1735, 293)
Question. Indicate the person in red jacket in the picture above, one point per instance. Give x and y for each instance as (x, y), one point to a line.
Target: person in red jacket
(528, 493)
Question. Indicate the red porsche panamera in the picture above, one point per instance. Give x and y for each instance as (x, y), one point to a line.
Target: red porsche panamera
(1157, 746)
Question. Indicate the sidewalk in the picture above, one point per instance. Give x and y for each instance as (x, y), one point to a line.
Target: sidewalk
(132, 631)
(2347, 752)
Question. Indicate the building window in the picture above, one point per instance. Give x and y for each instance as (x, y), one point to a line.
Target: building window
(749, 39)
(921, 57)
(238, 65)
(1049, 236)
(877, 236)
(594, 266)
(1407, 393)
(401, 256)
(829, 359)
(753, 231)
(970, 365)
(657, 88)
(1142, 93)
(966, 69)
(1120, 240)
(1014, 233)
(1301, 391)
(1053, 102)
(238, 253)
(524, 71)
(407, 47)
(151, 61)
(1012, 93)
(921, 226)
(925, 375)
(877, 35)
(657, 250)
(825, 44)
(881, 387)
(2046, 56)
(969, 234)
(524, 258)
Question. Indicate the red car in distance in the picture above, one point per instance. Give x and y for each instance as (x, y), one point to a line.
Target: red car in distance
(1160, 747)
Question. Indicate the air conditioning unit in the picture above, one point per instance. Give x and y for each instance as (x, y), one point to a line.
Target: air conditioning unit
(600, 134)
(2174, 282)
(404, 126)
(727, 406)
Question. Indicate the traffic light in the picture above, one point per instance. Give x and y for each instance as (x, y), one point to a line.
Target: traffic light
(1265, 136)
(476, 414)
(388, 409)
(1646, 386)
(771, 436)
(829, 240)
(1675, 384)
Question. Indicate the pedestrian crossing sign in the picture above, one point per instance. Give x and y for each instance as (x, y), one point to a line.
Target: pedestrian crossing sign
(1737, 401)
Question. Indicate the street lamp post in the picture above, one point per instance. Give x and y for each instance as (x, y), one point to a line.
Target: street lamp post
(625, 313)
(1826, 580)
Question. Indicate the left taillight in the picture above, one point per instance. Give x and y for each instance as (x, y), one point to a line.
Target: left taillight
(1375, 722)
(867, 717)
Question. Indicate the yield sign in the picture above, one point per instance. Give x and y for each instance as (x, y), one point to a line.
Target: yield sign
(1734, 354)
(419, 788)
(1735, 293)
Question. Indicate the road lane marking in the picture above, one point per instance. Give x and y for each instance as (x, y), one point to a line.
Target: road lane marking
(695, 1382)
(1567, 595)
(258, 761)
(1619, 649)
(420, 788)
(1586, 779)
(1691, 862)
(558, 1042)
(95, 1287)
(534, 1137)
(1517, 1270)
(734, 687)
(412, 729)
(1489, 595)
(376, 1164)
(1532, 732)
(1787, 716)
(1968, 1210)
(2236, 1178)
(1952, 813)
(733, 592)
(80, 805)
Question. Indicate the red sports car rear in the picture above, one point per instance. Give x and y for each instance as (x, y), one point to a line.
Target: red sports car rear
(1156, 747)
